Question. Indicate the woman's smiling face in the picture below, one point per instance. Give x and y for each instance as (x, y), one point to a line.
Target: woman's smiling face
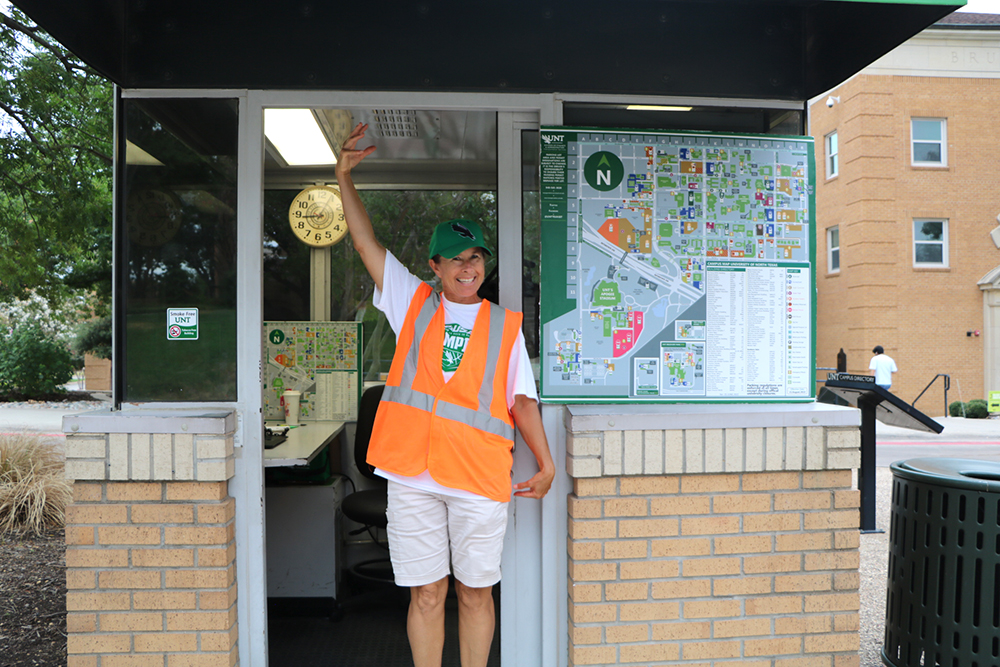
(462, 275)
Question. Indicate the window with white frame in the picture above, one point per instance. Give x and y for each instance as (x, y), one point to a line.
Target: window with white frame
(929, 145)
(930, 242)
(833, 250)
(832, 155)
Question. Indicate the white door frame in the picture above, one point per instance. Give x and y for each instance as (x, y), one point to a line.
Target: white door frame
(525, 556)
(533, 625)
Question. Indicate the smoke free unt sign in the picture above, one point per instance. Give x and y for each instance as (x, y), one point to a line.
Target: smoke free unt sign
(182, 324)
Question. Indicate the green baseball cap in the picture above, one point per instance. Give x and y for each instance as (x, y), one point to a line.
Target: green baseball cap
(453, 237)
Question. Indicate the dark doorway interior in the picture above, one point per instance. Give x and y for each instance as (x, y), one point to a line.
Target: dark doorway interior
(366, 629)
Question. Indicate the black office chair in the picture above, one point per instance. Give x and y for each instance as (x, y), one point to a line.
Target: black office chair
(367, 507)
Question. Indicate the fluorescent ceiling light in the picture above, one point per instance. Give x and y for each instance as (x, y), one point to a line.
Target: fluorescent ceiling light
(297, 136)
(135, 155)
(655, 107)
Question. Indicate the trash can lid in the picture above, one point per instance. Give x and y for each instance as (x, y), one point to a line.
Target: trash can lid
(983, 476)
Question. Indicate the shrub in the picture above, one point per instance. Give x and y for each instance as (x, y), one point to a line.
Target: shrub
(33, 362)
(33, 487)
(977, 409)
(94, 336)
(956, 409)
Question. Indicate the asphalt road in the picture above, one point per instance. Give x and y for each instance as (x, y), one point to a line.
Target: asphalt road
(961, 438)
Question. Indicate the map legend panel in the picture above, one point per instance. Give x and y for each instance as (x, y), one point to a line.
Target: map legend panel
(676, 266)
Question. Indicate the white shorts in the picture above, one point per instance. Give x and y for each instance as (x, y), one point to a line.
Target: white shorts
(426, 528)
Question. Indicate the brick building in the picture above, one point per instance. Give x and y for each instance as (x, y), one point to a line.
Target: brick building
(906, 202)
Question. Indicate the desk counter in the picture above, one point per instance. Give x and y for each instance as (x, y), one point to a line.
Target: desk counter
(303, 444)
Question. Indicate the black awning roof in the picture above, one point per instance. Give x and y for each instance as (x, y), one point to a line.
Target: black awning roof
(772, 49)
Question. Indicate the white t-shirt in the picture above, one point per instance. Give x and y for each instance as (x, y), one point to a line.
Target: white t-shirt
(884, 367)
(398, 288)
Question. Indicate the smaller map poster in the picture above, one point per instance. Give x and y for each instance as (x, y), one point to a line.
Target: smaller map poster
(320, 359)
(676, 266)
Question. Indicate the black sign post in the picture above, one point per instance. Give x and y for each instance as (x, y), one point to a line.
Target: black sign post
(875, 402)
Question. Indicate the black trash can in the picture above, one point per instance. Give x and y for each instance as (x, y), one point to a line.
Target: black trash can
(943, 598)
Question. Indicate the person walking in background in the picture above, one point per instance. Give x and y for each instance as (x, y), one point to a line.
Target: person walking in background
(884, 367)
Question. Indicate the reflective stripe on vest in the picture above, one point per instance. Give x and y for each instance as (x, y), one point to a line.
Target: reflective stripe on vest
(481, 419)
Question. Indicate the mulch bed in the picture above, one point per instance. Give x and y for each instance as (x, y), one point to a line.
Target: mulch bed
(33, 600)
(33, 583)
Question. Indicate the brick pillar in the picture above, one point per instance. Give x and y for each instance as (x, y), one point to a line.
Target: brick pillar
(724, 547)
(150, 547)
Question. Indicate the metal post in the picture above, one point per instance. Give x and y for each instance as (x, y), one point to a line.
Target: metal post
(947, 386)
(866, 476)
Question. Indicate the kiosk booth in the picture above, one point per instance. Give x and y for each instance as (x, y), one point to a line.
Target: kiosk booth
(691, 522)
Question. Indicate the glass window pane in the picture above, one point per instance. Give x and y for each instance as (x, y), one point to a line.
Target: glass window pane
(928, 230)
(929, 253)
(286, 262)
(834, 260)
(832, 143)
(927, 130)
(178, 249)
(926, 152)
(835, 237)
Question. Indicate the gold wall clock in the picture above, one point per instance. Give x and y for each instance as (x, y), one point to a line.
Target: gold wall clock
(317, 216)
(152, 217)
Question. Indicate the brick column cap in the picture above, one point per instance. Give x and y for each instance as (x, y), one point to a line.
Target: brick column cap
(582, 418)
(205, 421)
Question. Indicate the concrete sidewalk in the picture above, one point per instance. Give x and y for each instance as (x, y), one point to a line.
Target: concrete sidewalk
(41, 418)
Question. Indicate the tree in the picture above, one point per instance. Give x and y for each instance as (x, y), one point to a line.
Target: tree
(56, 129)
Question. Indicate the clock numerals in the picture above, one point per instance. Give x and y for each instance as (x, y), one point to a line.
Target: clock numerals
(316, 216)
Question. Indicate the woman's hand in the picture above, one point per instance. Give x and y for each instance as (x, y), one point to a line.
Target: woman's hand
(537, 486)
(529, 422)
(349, 155)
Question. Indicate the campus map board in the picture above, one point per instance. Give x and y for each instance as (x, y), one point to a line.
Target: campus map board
(676, 266)
(320, 359)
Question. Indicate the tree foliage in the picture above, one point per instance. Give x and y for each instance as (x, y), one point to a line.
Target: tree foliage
(56, 120)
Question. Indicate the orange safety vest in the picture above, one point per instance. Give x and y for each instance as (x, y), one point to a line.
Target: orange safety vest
(460, 431)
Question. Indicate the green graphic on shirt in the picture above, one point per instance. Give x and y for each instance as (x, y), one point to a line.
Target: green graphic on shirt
(456, 337)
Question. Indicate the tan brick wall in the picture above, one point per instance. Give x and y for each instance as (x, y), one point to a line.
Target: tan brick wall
(750, 568)
(150, 456)
(920, 316)
(151, 575)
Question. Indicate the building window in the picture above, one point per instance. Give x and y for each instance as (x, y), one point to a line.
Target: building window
(832, 155)
(833, 250)
(930, 141)
(930, 242)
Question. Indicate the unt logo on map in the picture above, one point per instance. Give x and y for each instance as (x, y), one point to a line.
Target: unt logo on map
(604, 171)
